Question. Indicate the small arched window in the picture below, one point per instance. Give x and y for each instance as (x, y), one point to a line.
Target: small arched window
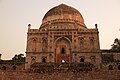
(110, 67)
(44, 60)
(82, 60)
(4, 68)
(63, 51)
(81, 40)
(91, 39)
(14, 68)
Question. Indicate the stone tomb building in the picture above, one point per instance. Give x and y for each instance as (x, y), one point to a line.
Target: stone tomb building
(63, 48)
(63, 37)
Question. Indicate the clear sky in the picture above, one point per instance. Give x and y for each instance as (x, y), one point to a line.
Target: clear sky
(15, 15)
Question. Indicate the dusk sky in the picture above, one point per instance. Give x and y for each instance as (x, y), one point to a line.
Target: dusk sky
(15, 15)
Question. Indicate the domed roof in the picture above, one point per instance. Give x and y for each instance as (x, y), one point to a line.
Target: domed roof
(63, 11)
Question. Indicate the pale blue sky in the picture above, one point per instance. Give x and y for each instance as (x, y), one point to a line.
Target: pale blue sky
(16, 14)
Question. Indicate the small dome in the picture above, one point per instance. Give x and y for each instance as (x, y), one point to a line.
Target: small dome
(65, 12)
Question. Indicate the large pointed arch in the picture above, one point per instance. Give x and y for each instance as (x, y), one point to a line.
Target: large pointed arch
(62, 49)
(63, 38)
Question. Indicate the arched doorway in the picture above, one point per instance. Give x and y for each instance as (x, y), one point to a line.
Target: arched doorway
(62, 50)
(44, 60)
(82, 60)
(110, 67)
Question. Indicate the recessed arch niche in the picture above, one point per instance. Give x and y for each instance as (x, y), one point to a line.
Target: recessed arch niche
(62, 49)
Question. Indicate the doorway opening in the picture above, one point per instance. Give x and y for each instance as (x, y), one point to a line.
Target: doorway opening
(44, 60)
(110, 67)
(81, 60)
(63, 51)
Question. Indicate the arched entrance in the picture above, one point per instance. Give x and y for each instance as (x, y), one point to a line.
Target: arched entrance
(44, 60)
(82, 60)
(62, 50)
(110, 67)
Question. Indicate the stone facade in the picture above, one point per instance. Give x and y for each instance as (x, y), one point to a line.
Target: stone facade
(21, 75)
(63, 48)
(9, 65)
(63, 37)
(113, 65)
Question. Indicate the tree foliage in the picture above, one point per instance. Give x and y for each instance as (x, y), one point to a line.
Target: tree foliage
(116, 45)
(18, 58)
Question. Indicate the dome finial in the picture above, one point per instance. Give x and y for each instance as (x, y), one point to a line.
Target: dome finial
(96, 26)
(29, 26)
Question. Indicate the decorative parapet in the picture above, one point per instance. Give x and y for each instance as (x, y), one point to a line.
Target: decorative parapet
(62, 20)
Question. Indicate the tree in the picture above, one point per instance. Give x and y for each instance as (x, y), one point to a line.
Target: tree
(15, 58)
(18, 58)
(116, 45)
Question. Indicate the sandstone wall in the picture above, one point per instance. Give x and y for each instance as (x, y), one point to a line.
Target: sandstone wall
(60, 75)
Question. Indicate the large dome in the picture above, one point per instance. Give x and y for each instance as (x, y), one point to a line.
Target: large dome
(63, 12)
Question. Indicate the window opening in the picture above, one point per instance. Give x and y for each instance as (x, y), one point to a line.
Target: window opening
(110, 67)
(44, 60)
(63, 51)
(81, 60)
